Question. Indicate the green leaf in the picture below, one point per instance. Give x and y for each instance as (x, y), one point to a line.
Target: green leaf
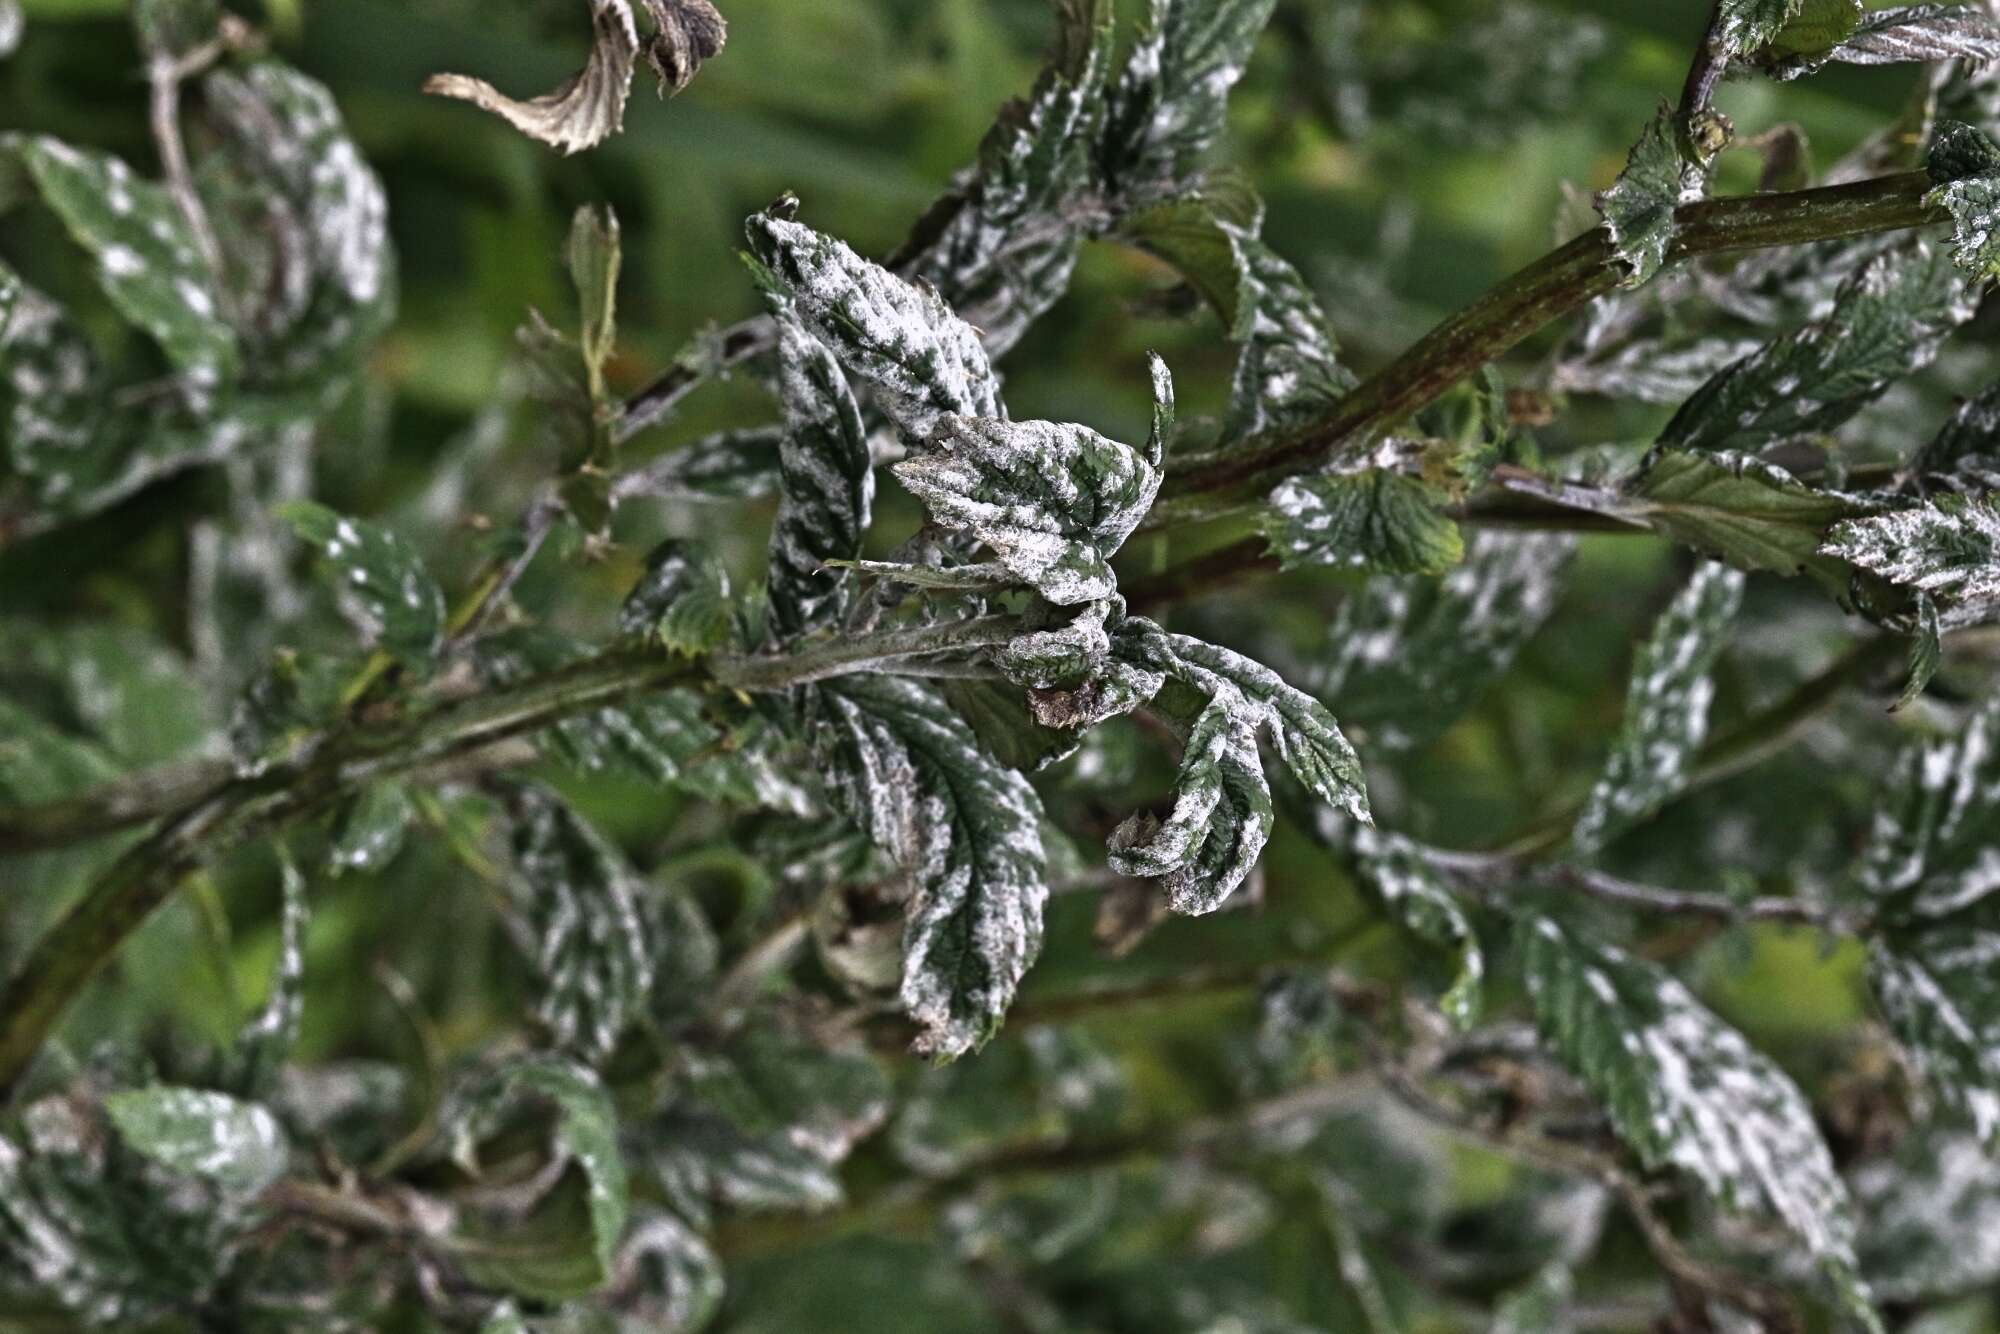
(1964, 166)
(1404, 658)
(265, 1042)
(1684, 1090)
(1053, 501)
(1379, 520)
(1398, 872)
(682, 601)
(585, 1133)
(379, 580)
(1930, 850)
(906, 769)
(174, 27)
(1888, 320)
(580, 900)
(238, 1145)
(1948, 549)
(924, 361)
(136, 695)
(147, 260)
(1539, 1306)
(1940, 992)
(1739, 509)
(369, 833)
(1817, 27)
(1926, 653)
(827, 486)
(1638, 207)
(1666, 709)
(1039, 1086)
(594, 254)
(1171, 101)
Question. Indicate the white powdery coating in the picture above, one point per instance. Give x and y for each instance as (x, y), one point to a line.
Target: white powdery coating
(827, 480)
(236, 1144)
(1944, 1002)
(1401, 874)
(903, 339)
(586, 108)
(967, 831)
(1934, 1226)
(1948, 549)
(1666, 708)
(1052, 500)
(1927, 840)
(1708, 1103)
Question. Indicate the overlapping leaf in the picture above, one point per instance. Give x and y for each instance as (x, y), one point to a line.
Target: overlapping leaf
(1638, 207)
(1933, 846)
(1900, 35)
(1964, 166)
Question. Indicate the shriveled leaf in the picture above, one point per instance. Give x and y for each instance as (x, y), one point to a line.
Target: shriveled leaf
(379, 580)
(1888, 320)
(827, 486)
(1685, 1090)
(1052, 500)
(580, 898)
(1666, 708)
(1210, 839)
(904, 767)
(1964, 166)
(1940, 991)
(1404, 658)
(1379, 520)
(238, 1145)
(1638, 207)
(1399, 873)
(924, 362)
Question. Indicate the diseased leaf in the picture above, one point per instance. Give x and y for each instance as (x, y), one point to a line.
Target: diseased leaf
(1006, 251)
(580, 899)
(1892, 36)
(924, 362)
(369, 832)
(682, 601)
(1289, 368)
(379, 580)
(1888, 319)
(1666, 708)
(589, 107)
(238, 1145)
(764, 1124)
(1062, 658)
(1935, 845)
(1741, 26)
(1221, 815)
(1170, 103)
(1964, 166)
(1926, 653)
(585, 1133)
(1739, 509)
(1940, 991)
(1539, 1306)
(1684, 1090)
(265, 1042)
(1398, 872)
(1931, 1215)
(904, 767)
(1948, 548)
(1638, 207)
(827, 486)
(1965, 454)
(1403, 658)
(147, 260)
(1379, 520)
(1052, 500)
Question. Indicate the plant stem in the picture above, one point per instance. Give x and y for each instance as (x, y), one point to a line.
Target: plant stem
(1551, 287)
